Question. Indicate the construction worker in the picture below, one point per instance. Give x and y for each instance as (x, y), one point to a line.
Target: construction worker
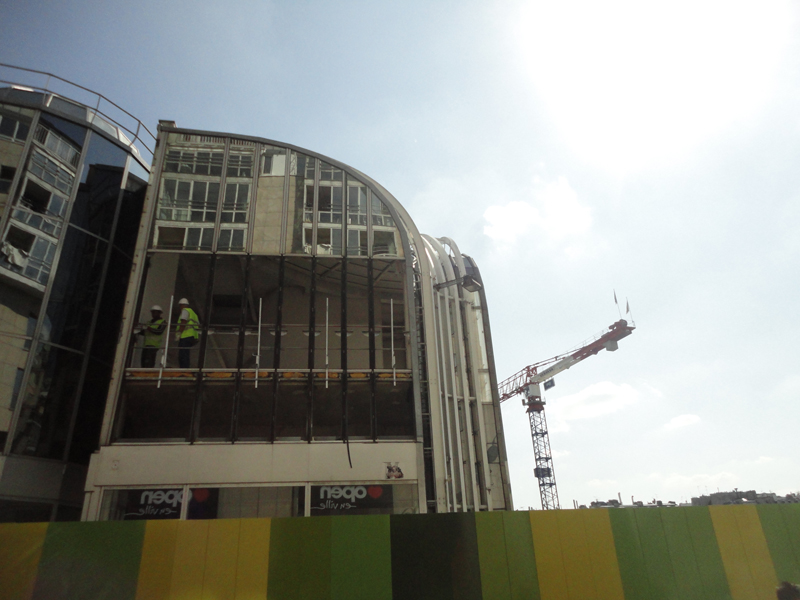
(153, 332)
(188, 333)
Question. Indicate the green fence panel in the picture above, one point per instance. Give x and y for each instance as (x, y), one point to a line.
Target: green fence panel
(495, 583)
(706, 553)
(435, 557)
(95, 561)
(300, 559)
(682, 555)
(522, 576)
(361, 558)
(779, 540)
(630, 556)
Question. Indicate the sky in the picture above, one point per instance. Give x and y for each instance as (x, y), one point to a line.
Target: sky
(574, 149)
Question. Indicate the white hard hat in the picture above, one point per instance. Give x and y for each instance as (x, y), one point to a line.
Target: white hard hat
(156, 307)
(183, 301)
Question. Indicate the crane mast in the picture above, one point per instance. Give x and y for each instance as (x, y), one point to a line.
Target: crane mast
(528, 382)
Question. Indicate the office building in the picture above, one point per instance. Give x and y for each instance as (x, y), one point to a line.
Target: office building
(335, 360)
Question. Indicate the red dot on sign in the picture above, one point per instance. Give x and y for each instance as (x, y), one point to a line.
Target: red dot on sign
(375, 491)
(201, 495)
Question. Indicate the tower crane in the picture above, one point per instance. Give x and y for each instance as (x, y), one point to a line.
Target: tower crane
(530, 381)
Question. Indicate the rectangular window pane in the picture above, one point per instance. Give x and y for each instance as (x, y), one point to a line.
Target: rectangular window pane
(327, 422)
(359, 401)
(328, 347)
(142, 504)
(150, 412)
(363, 499)
(254, 414)
(295, 314)
(216, 410)
(390, 315)
(358, 332)
(394, 408)
(292, 410)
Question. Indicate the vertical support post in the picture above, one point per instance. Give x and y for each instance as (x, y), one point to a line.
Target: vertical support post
(166, 345)
(258, 348)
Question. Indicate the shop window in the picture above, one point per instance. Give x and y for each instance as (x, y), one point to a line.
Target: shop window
(254, 412)
(291, 418)
(394, 408)
(363, 499)
(194, 201)
(142, 504)
(240, 165)
(194, 162)
(246, 502)
(327, 409)
(6, 177)
(149, 412)
(216, 411)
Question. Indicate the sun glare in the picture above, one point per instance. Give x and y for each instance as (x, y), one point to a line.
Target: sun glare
(630, 82)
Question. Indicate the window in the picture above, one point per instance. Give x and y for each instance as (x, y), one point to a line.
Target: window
(380, 214)
(194, 162)
(192, 238)
(246, 502)
(12, 127)
(231, 240)
(194, 201)
(356, 203)
(6, 177)
(25, 253)
(58, 146)
(51, 172)
(240, 165)
(40, 208)
(234, 207)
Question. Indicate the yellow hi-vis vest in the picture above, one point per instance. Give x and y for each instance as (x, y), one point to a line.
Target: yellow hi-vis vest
(153, 333)
(192, 325)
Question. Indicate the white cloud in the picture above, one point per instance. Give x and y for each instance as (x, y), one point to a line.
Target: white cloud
(559, 453)
(681, 421)
(601, 482)
(628, 82)
(554, 213)
(597, 400)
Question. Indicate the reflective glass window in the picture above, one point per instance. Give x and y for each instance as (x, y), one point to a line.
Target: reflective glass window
(327, 407)
(19, 312)
(130, 213)
(216, 410)
(261, 313)
(394, 408)
(295, 328)
(75, 289)
(236, 203)
(240, 165)
(328, 314)
(390, 315)
(170, 278)
(86, 437)
(61, 139)
(246, 502)
(99, 192)
(359, 408)
(225, 317)
(47, 403)
(27, 253)
(385, 499)
(254, 412)
(146, 411)
(358, 330)
(291, 415)
(142, 504)
(357, 244)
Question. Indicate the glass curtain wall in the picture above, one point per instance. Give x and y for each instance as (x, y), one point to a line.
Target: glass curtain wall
(74, 201)
(302, 345)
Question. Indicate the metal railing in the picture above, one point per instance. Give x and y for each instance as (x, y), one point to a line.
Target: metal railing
(130, 130)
